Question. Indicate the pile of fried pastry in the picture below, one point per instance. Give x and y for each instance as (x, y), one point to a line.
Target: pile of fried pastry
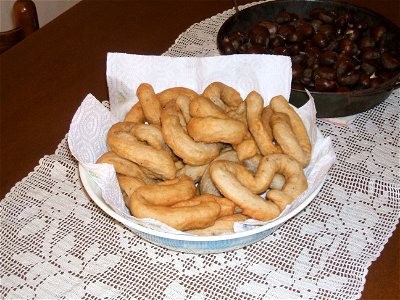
(201, 162)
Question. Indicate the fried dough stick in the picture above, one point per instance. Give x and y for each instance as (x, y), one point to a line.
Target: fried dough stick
(236, 183)
(155, 201)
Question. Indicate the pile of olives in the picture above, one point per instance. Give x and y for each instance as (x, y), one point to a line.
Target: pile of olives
(330, 52)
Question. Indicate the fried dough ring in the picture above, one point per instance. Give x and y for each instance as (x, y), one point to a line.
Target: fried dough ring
(183, 102)
(172, 94)
(246, 149)
(203, 107)
(125, 167)
(210, 124)
(128, 185)
(262, 137)
(215, 130)
(236, 183)
(191, 152)
(155, 201)
(227, 206)
(266, 118)
(238, 113)
(150, 134)
(252, 165)
(222, 225)
(150, 104)
(298, 145)
(121, 141)
(219, 90)
(194, 172)
(206, 185)
(135, 114)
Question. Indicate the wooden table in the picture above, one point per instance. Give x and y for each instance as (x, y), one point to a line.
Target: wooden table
(46, 76)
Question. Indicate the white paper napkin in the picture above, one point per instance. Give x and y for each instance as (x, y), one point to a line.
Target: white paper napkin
(267, 74)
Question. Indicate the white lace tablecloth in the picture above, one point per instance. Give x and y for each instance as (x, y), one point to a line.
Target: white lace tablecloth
(56, 243)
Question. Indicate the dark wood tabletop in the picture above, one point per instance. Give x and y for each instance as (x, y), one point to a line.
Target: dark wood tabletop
(45, 77)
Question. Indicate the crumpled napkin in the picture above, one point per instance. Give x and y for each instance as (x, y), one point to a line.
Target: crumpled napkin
(267, 74)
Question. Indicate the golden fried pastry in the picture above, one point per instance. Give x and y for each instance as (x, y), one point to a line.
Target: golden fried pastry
(129, 185)
(150, 104)
(223, 225)
(121, 141)
(126, 167)
(172, 94)
(233, 150)
(261, 135)
(236, 183)
(155, 201)
(220, 91)
(175, 135)
(135, 114)
(227, 206)
(206, 184)
(215, 130)
(194, 172)
(293, 139)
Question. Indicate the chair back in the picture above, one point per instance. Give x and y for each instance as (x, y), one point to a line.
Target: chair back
(26, 19)
(10, 38)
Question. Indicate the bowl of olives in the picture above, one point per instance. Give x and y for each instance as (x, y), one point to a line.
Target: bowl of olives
(346, 56)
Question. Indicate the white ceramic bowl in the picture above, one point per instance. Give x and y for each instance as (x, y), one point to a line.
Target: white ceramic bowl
(189, 243)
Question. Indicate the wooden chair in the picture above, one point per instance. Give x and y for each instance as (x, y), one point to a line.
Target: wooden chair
(26, 19)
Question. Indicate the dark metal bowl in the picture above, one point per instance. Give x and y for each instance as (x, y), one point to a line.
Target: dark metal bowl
(332, 104)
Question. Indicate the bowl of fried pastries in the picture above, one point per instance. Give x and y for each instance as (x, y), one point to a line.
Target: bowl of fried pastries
(209, 172)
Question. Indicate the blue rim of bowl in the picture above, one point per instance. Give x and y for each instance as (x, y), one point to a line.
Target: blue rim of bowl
(89, 184)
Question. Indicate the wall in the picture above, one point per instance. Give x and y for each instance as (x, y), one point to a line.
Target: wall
(47, 10)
